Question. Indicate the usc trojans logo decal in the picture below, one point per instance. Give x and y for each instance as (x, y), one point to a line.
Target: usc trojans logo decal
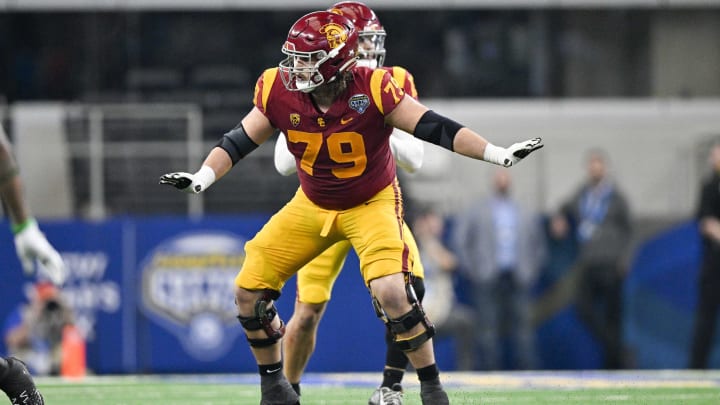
(335, 34)
(295, 119)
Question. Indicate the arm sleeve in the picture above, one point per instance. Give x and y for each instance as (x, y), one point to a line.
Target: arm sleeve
(284, 160)
(407, 150)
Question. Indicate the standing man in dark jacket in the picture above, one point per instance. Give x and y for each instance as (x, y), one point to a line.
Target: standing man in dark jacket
(502, 248)
(601, 216)
(709, 279)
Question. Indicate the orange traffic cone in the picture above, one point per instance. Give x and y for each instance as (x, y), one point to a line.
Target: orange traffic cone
(73, 362)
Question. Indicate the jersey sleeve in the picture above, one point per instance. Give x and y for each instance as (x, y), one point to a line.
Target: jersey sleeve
(406, 80)
(263, 86)
(386, 92)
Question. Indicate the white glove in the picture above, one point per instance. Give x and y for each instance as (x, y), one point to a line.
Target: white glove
(512, 155)
(188, 182)
(31, 244)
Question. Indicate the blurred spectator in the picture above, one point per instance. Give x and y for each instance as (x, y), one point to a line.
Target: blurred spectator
(601, 217)
(708, 216)
(34, 330)
(451, 318)
(502, 247)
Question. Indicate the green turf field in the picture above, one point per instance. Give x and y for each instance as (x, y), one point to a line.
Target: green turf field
(668, 387)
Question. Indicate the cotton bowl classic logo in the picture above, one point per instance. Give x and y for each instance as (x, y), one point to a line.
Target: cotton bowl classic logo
(359, 102)
(187, 288)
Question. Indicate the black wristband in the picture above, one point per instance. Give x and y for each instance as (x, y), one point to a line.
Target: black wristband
(237, 143)
(435, 128)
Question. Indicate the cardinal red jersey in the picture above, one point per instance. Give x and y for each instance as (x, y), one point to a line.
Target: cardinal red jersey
(343, 155)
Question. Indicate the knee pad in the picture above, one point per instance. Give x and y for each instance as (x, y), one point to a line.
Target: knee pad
(262, 319)
(407, 321)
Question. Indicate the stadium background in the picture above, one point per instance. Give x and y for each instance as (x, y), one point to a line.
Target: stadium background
(101, 97)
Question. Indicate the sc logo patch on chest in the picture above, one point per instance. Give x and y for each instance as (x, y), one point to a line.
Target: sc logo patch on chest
(359, 102)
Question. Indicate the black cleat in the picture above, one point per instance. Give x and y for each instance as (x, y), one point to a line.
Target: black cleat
(432, 393)
(19, 386)
(278, 392)
(435, 398)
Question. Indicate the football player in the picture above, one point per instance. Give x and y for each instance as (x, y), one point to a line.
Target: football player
(338, 119)
(315, 280)
(31, 245)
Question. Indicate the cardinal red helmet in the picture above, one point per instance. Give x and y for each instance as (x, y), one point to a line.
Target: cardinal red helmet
(371, 34)
(320, 47)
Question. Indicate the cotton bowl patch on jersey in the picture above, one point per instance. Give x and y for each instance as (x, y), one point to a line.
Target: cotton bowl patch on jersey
(359, 102)
(188, 289)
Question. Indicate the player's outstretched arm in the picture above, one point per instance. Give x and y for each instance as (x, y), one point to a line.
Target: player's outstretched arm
(467, 143)
(30, 242)
(415, 118)
(252, 131)
(194, 183)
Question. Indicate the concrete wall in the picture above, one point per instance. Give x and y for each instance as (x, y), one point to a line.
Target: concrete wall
(685, 54)
(41, 149)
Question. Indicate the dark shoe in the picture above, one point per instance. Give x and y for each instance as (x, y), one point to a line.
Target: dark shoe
(435, 398)
(19, 386)
(278, 392)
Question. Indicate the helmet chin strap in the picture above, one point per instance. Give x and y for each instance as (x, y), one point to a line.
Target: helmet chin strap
(371, 63)
(334, 52)
(307, 86)
(304, 86)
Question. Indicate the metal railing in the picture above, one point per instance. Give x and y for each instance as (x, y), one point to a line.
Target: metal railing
(99, 135)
